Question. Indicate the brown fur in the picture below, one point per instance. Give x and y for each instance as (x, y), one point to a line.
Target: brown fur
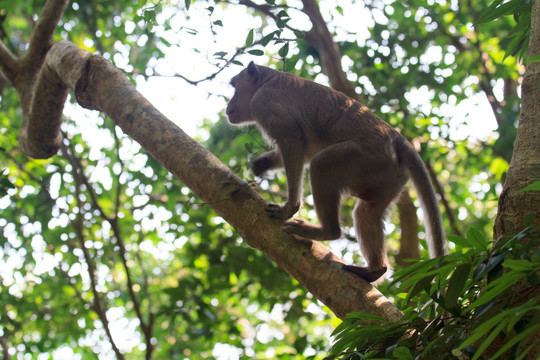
(350, 151)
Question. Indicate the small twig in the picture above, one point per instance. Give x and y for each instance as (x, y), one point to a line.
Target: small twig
(99, 308)
(113, 220)
(5, 348)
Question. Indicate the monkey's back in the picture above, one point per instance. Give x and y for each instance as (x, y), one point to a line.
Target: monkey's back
(287, 106)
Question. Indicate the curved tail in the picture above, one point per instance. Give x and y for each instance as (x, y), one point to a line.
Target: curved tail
(432, 214)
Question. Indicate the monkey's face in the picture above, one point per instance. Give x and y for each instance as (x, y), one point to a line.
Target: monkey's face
(245, 84)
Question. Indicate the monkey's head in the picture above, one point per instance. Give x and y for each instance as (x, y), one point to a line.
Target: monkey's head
(245, 84)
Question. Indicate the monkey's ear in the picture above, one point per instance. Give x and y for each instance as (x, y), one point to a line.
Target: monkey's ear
(253, 71)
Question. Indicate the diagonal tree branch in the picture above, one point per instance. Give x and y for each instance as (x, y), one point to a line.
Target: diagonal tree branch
(42, 36)
(100, 86)
(319, 36)
(24, 74)
(8, 61)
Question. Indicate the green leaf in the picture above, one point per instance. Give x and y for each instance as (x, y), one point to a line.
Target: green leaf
(459, 240)
(489, 339)
(249, 147)
(477, 239)
(496, 287)
(284, 50)
(267, 38)
(480, 272)
(520, 265)
(402, 353)
(495, 11)
(364, 316)
(422, 284)
(536, 185)
(256, 52)
(535, 58)
(457, 284)
(249, 38)
(482, 329)
(220, 54)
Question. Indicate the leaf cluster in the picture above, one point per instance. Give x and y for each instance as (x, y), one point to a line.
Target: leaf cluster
(517, 42)
(457, 305)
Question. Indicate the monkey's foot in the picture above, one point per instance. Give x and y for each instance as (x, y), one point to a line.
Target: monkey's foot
(365, 273)
(284, 212)
(306, 229)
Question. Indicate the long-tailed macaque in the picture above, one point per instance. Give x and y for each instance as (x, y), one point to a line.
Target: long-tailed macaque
(349, 150)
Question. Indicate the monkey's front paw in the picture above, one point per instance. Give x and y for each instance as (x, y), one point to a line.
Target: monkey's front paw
(260, 165)
(276, 211)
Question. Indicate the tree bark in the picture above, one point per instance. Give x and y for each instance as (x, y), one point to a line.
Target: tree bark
(100, 86)
(524, 168)
(408, 220)
(515, 205)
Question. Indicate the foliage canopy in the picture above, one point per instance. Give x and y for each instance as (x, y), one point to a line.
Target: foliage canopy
(103, 252)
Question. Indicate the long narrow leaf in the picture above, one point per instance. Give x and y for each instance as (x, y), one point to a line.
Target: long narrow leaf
(477, 239)
(515, 339)
(494, 12)
(526, 351)
(249, 38)
(457, 284)
(482, 329)
(497, 287)
(488, 340)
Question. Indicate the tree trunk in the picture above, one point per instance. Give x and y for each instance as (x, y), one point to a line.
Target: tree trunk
(514, 206)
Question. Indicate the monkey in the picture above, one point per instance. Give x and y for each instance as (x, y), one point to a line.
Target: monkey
(350, 151)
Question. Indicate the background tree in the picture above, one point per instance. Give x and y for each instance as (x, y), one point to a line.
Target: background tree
(103, 240)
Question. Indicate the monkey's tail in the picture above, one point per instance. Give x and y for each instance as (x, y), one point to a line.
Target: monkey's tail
(428, 200)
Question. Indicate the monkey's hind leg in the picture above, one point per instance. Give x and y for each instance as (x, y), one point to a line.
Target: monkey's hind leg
(369, 226)
(327, 174)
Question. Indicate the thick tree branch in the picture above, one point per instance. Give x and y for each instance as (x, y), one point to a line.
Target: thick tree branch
(409, 244)
(42, 36)
(25, 72)
(524, 168)
(321, 39)
(100, 86)
(8, 61)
